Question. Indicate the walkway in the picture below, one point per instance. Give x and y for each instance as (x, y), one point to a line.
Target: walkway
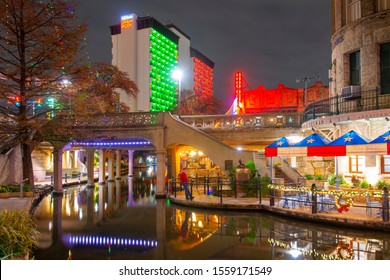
(356, 217)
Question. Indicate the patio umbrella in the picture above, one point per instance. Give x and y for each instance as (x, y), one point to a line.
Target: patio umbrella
(380, 145)
(273, 150)
(313, 145)
(351, 143)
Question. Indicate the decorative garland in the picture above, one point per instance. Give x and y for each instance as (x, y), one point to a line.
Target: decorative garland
(330, 192)
(343, 207)
(344, 247)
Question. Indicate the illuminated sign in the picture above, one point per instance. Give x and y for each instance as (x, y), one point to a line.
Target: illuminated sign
(126, 17)
(126, 21)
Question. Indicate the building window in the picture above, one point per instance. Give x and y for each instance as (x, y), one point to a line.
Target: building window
(383, 5)
(385, 67)
(356, 164)
(385, 164)
(353, 10)
(354, 68)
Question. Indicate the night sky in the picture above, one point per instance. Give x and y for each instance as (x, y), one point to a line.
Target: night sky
(271, 41)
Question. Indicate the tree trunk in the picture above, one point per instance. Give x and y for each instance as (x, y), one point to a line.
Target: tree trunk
(27, 164)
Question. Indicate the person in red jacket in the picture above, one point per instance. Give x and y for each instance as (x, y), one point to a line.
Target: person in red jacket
(184, 182)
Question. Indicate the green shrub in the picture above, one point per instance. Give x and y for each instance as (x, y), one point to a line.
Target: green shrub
(14, 188)
(319, 177)
(364, 184)
(18, 234)
(309, 177)
(332, 179)
(251, 165)
(250, 187)
(381, 183)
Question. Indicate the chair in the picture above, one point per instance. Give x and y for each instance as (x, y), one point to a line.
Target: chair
(371, 204)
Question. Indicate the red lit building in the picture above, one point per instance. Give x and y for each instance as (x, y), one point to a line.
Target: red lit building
(281, 99)
(203, 69)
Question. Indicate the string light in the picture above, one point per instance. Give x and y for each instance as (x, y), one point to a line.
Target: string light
(110, 241)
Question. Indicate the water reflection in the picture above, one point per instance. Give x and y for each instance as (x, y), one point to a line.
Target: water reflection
(122, 220)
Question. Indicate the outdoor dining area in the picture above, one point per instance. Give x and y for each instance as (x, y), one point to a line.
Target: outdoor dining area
(339, 198)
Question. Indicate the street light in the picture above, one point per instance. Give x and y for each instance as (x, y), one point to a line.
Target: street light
(306, 80)
(177, 74)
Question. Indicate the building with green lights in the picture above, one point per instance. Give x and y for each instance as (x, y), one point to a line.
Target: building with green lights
(149, 52)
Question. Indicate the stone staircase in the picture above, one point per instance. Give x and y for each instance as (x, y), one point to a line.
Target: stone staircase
(280, 174)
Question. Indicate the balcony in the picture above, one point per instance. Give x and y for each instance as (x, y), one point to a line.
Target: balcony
(376, 99)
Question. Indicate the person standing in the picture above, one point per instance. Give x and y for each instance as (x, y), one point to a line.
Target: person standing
(184, 182)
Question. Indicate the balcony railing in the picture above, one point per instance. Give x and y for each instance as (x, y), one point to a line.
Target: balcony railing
(248, 121)
(360, 101)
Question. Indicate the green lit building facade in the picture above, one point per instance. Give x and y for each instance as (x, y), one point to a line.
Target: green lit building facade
(148, 52)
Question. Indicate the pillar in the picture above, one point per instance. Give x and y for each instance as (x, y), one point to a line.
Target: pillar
(57, 170)
(90, 207)
(57, 219)
(110, 195)
(90, 168)
(131, 159)
(110, 167)
(102, 167)
(130, 191)
(118, 165)
(161, 170)
(117, 194)
(102, 195)
(160, 229)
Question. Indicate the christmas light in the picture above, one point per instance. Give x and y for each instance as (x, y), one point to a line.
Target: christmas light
(163, 59)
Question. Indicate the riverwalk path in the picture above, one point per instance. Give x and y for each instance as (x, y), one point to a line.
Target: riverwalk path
(355, 217)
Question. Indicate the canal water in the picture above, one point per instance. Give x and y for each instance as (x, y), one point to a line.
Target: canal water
(123, 220)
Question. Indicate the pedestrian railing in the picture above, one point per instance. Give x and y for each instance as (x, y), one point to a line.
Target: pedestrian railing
(375, 99)
(372, 204)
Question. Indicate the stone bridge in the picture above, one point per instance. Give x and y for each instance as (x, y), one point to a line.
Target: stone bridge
(163, 133)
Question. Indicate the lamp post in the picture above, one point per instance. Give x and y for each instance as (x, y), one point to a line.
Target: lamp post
(305, 81)
(177, 74)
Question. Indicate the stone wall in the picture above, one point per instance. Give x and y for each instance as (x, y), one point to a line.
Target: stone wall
(364, 34)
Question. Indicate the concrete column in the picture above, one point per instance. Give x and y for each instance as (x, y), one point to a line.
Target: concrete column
(102, 195)
(67, 158)
(160, 229)
(75, 158)
(117, 194)
(57, 170)
(131, 158)
(57, 219)
(110, 195)
(130, 200)
(161, 170)
(110, 167)
(118, 165)
(102, 167)
(293, 162)
(90, 167)
(90, 207)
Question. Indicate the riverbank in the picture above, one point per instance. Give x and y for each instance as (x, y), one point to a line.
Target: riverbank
(355, 218)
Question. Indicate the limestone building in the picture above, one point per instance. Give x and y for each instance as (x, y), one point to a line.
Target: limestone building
(360, 46)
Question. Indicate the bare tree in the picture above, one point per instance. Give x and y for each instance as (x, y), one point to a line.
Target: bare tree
(42, 70)
(192, 104)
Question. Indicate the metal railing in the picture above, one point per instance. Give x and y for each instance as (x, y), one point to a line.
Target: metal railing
(309, 200)
(376, 99)
(247, 121)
